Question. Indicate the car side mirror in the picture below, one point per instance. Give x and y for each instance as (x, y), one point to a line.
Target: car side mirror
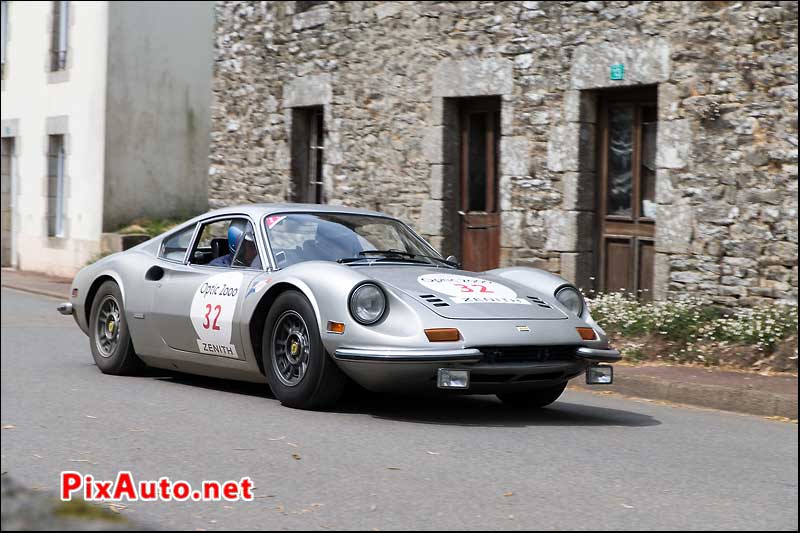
(453, 259)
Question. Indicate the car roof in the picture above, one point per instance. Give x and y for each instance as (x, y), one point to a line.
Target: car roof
(259, 210)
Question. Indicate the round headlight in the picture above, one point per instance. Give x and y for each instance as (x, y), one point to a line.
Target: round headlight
(367, 303)
(570, 298)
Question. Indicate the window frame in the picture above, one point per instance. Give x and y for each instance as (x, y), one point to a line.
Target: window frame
(59, 38)
(4, 37)
(489, 108)
(228, 216)
(58, 231)
(316, 154)
(172, 234)
(637, 230)
(308, 182)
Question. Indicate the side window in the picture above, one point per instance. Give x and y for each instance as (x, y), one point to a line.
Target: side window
(174, 248)
(227, 243)
(58, 46)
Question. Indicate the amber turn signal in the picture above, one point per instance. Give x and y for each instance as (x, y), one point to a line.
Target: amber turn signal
(335, 327)
(587, 334)
(442, 334)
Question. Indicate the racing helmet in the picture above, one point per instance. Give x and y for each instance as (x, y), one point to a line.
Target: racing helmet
(236, 230)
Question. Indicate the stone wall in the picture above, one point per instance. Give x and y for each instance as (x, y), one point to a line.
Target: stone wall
(726, 74)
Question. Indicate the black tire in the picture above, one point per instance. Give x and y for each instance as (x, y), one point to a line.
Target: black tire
(117, 357)
(533, 399)
(320, 383)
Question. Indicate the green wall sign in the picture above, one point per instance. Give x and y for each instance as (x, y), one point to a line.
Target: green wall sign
(618, 71)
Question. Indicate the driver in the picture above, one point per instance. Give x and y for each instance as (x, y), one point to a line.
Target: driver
(239, 236)
(247, 255)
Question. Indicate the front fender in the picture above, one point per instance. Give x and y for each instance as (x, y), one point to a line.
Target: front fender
(327, 286)
(86, 281)
(548, 283)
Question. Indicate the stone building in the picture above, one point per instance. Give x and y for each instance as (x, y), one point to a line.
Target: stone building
(650, 146)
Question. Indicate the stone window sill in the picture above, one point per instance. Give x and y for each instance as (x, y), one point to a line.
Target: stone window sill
(58, 76)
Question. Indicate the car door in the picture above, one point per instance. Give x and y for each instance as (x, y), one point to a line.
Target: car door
(198, 302)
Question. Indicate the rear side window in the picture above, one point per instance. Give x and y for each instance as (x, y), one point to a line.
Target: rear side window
(174, 248)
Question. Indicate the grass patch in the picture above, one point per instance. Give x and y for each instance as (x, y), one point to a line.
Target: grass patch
(79, 509)
(98, 256)
(150, 226)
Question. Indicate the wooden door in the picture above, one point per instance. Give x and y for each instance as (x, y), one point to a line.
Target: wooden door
(626, 199)
(479, 124)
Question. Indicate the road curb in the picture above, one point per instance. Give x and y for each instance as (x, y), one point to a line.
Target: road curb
(40, 292)
(739, 400)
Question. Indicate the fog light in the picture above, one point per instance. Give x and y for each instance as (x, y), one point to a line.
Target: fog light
(600, 375)
(453, 379)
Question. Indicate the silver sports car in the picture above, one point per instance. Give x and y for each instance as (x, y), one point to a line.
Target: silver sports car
(306, 297)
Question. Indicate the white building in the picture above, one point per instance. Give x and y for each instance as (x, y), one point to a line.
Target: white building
(105, 118)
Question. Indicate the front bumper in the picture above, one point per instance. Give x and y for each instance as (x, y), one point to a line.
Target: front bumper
(463, 355)
(387, 369)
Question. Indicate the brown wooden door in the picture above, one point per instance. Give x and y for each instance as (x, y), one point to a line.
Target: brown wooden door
(479, 123)
(626, 203)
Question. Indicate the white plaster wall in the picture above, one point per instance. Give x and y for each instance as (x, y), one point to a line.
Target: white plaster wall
(28, 97)
(158, 110)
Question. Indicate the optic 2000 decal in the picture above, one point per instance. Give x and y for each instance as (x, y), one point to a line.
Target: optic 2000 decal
(467, 290)
(213, 307)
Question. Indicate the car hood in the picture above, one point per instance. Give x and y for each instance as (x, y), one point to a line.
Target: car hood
(462, 295)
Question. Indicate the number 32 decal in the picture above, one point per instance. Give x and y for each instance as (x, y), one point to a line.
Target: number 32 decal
(207, 323)
(466, 288)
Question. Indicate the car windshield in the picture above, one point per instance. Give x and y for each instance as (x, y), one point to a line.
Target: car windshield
(346, 238)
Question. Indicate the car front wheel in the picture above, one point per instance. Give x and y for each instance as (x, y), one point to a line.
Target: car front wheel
(111, 344)
(533, 399)
(299, 371)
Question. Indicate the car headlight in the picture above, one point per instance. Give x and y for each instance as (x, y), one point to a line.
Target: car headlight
(367, 303)
(571, 298)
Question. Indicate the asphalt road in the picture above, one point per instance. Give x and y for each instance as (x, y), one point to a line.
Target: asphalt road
(588, 462)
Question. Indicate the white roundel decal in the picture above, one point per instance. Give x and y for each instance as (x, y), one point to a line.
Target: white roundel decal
(465, 289)
(212, 311)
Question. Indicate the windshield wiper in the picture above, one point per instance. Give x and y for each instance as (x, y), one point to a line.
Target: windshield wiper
(393, 254)
(384, 255)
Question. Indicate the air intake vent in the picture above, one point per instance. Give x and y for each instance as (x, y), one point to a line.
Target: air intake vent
(539, 302)
(527, 354)
(434, 300)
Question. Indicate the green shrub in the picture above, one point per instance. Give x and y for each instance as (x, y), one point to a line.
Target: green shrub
(152, 227)
(761, 327)
(673, 320)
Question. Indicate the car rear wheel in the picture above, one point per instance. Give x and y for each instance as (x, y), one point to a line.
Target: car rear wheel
(111, 344)
(533, 399)
(299, 371)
